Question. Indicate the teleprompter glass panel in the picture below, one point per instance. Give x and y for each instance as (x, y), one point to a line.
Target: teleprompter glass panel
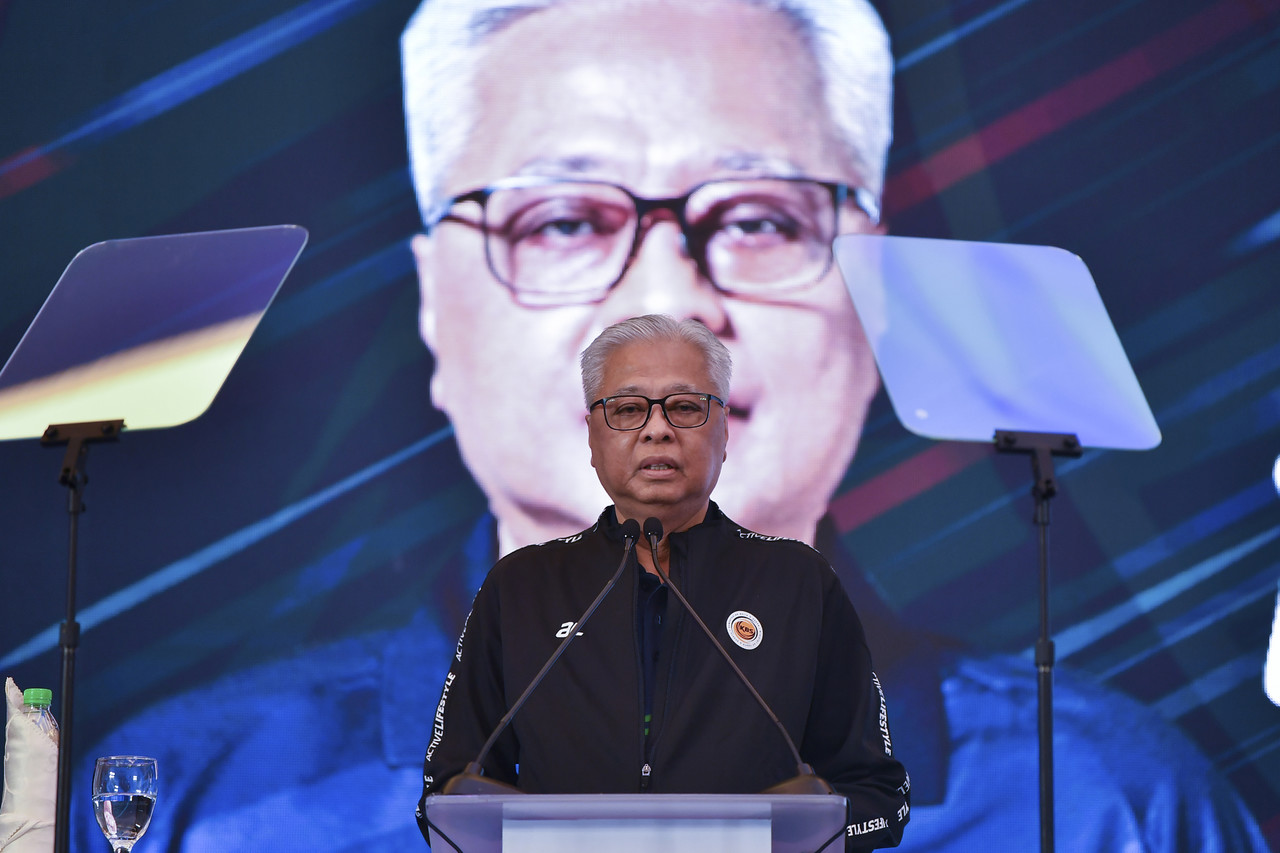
(144, 329)
(974, 337)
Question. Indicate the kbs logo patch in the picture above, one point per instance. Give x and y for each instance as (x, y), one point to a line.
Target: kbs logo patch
(744, 629)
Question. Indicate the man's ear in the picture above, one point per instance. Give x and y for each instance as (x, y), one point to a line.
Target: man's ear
(726, 434)
(591, 445)
(424, 259)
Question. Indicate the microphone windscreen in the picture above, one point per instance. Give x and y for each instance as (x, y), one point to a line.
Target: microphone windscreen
(630, 529)
(652, 528)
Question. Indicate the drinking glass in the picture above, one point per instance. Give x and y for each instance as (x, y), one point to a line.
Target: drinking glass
(124, 795)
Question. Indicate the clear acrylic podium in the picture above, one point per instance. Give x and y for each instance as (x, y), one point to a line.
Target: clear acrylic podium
(623, 823)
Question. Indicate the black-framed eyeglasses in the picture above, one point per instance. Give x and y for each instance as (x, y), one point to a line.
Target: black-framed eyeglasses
(685, 410)
(554, 241)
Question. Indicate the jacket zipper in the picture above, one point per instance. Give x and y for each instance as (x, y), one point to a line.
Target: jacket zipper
(679, 624)
(645, 769)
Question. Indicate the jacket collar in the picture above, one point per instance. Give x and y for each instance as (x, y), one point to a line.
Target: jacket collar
(608, 521)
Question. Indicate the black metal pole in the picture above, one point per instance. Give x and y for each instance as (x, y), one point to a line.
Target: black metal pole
(1042, 447)
(77, 437)
(69, 640)
(1044, 678)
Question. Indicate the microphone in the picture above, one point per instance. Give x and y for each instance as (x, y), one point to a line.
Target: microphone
(805, 781)
(472, 779)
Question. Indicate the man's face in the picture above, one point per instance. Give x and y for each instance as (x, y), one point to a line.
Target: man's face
(658, 469)
(656, 97)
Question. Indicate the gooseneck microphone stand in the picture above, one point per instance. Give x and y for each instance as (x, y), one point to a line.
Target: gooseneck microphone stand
(77, 437)
(472, 779)
(1042, 447)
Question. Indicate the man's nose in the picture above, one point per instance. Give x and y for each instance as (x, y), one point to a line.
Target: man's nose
(663, 279)
(657, 427)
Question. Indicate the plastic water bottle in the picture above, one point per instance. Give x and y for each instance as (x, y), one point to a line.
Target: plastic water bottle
(35, 705)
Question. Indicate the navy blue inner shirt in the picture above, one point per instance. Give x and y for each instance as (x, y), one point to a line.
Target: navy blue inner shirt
(651, 606)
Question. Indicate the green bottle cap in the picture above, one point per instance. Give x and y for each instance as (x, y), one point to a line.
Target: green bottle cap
(41, 697)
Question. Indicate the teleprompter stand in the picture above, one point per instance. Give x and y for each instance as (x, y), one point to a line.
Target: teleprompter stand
(144, 330)
(77, 438)
(1042, 447)
(975, 340)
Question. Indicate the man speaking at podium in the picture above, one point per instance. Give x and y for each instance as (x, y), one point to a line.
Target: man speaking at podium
(642, 701)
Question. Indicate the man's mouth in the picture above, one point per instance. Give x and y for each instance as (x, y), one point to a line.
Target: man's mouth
(658, 466)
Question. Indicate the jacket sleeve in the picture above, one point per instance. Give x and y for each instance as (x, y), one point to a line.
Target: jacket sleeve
(472, 702)
(847, 737)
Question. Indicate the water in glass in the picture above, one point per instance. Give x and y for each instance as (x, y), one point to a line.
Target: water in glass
(124, 796)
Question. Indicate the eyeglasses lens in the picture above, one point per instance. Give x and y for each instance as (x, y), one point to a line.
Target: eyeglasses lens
(682, 410)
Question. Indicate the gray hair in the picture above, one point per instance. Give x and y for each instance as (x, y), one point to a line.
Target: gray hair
(439, 57)
(654, 327)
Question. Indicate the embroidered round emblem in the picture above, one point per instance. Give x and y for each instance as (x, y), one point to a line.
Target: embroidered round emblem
(744, 629)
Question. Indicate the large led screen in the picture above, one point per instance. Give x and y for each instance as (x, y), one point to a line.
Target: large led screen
(270, 594)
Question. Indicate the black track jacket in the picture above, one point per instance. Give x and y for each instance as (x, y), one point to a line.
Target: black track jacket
(581, 730)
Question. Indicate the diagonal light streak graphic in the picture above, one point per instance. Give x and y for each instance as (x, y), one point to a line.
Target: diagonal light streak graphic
(196, 76)
(190, 566)
(1084, 634)
(952, 37)
(1261, 585)
(1209, 686)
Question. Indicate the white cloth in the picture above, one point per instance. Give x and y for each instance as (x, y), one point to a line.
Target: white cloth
(30, 781)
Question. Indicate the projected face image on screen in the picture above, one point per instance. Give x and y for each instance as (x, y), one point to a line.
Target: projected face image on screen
(487, 186)
(717, 98)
